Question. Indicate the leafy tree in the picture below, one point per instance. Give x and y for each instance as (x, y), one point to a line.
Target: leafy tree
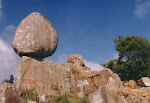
(10, 80)
(134, 57)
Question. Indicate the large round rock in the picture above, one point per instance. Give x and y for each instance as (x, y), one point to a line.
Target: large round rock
(35, 37)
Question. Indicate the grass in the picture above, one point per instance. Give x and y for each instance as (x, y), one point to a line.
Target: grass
(57, 99)
(29, 95)
(67, 98)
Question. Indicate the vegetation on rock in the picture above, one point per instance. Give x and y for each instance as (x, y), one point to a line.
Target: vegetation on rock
(29, 95)
(67, 98)
(134, 57)
(10, 80)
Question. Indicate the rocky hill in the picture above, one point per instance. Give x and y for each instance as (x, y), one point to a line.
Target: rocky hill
(42, 81)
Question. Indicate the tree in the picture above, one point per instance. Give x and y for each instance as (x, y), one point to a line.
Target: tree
(11, 80)
(134, 57)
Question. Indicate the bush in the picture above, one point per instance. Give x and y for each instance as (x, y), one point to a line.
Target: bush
(10, 80)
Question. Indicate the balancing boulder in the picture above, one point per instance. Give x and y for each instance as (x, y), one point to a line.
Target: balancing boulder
(35, 37)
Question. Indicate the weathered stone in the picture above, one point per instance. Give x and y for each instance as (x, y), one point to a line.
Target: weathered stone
(42, 99)
(130, 84)
(8, 93)
(76, 59)
(122, 100)
(144, 82)
(44, 77)
(100, 96)
(109, 90)
(126, 83)
(35, 37)
(140, 95)
(126, 91)
(106, 95)
(29, 101)
(49, 78)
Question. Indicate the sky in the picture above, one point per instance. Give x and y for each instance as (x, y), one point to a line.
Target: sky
(85, 27)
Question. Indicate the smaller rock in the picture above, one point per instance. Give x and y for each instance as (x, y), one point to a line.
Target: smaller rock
(144, 82)
(76, 59)
(122, 100)
(126, 91)
(132, 84)
(8, 93)
(29, 101)
(42, 99)
(126, 83)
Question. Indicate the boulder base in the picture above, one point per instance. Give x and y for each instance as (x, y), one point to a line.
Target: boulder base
(49, 78)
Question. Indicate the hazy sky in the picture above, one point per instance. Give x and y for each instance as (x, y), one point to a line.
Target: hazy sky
(85, 27)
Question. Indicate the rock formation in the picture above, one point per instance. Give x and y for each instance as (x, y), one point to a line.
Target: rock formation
(49, 78)
(35, 37)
